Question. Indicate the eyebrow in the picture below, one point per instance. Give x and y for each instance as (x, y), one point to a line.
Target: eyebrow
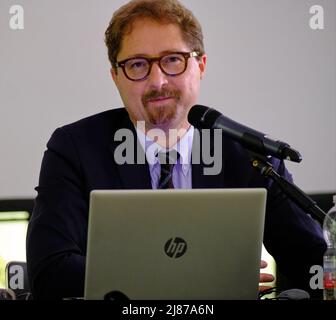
(143, 55)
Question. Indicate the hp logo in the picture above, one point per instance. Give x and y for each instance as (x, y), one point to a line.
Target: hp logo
(175, 247)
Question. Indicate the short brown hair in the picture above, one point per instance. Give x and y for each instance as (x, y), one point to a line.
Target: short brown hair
(163, 11)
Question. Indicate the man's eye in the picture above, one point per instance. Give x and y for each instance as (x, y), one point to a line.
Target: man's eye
(137, 65)
(173, 59)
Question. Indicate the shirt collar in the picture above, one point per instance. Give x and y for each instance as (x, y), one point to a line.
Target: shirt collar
(183, 147)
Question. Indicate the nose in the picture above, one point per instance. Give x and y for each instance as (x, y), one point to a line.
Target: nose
(157, 79)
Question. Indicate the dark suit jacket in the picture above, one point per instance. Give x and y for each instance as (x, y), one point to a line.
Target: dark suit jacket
(80, 158)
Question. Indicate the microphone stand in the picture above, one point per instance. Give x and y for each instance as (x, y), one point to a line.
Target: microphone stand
(260, 163)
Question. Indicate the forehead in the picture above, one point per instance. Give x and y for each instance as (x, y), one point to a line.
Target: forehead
(148, 37)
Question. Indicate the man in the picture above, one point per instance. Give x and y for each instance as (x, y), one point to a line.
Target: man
(158, 60)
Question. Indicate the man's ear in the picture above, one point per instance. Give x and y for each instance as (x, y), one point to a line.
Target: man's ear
(113, 72)
(202, 65)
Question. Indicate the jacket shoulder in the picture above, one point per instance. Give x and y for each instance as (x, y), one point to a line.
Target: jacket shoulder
(94, 130)
(110, 117)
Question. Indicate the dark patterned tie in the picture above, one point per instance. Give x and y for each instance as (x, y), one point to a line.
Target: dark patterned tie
(167, 163)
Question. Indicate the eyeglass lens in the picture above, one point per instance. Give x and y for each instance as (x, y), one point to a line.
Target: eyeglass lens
(139, 68)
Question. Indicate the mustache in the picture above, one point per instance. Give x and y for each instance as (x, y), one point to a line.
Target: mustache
(164, 93)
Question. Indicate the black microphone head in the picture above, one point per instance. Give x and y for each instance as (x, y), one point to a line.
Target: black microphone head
(196, 115)
(202, 117)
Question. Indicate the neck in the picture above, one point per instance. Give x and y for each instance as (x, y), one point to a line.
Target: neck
(166, 137)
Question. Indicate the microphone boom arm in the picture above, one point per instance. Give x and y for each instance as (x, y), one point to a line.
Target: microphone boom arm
(289, 188)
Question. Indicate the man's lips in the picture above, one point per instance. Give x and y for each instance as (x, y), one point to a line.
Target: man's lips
(159, 99)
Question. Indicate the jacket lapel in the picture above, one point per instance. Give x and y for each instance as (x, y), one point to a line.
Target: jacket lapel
(200, 179)
(132, 175)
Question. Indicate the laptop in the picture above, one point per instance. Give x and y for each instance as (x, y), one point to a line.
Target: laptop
(202, 244)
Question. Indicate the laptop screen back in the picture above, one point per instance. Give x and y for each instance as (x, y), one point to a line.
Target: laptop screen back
(175, 244)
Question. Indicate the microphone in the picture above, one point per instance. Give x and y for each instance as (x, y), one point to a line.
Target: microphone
(207, 118)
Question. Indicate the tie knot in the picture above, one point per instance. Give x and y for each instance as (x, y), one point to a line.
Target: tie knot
(168, 158)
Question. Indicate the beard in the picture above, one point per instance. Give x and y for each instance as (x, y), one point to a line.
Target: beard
(162, 116)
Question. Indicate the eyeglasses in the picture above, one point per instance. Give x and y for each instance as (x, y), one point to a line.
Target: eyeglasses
(172, 64)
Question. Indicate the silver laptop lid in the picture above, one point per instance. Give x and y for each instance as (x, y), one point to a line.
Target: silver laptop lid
(175, 244)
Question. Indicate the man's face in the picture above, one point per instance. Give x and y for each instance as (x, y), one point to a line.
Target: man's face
(160, 100)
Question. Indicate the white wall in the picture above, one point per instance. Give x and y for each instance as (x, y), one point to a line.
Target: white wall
(266, 68)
